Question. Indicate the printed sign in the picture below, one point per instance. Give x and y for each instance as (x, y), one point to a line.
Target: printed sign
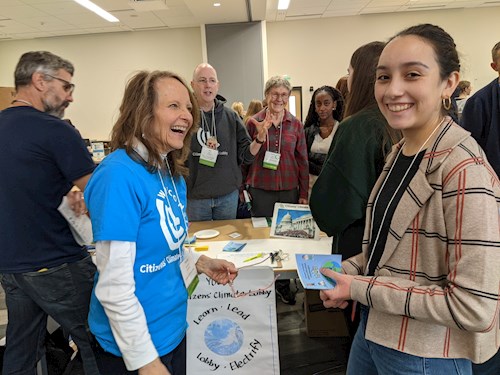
(229, 335)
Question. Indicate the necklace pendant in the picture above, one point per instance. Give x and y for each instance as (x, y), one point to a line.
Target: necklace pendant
(212, 143)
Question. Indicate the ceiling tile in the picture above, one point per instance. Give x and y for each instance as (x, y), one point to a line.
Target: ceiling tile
(11, 26)
(18, 12)
(139, 19)
(46, 23)
(31, 18)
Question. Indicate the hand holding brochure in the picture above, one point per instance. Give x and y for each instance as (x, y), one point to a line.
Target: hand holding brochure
(80, 226)
(308, 268)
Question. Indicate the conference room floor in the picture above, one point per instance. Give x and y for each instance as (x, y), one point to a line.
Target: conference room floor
(299, 354)
(303, 355)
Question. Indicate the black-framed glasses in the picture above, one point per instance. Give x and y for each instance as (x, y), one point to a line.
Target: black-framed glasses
(67, 86)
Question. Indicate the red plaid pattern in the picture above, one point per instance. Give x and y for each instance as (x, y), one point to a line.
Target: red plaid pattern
(293, 169)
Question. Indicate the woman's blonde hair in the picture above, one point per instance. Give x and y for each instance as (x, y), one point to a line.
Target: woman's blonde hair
(136, 121)
(238, 108)
(254, 107)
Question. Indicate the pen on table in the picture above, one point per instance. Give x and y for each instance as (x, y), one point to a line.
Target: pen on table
(254, 257)
(201, 248)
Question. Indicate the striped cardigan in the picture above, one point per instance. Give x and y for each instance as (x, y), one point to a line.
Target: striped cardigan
(435, 292)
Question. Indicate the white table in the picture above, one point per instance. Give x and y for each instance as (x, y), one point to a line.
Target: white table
(258, 240)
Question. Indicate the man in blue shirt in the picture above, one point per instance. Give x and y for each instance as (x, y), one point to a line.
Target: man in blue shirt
(42, 269)
(481, 115)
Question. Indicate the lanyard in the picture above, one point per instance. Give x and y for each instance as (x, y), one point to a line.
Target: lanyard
(212, 131)
(393, 196)
(279, 139)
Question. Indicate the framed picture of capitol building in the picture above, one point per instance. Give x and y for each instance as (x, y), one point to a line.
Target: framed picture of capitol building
(293, 221)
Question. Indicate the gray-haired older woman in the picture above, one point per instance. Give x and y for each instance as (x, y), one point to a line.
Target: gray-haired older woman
(280, 171)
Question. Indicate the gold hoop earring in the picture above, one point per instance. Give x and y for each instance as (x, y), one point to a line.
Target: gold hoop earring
(447, 103)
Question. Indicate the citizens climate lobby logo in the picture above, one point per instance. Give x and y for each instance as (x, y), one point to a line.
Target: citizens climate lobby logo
(172, 226)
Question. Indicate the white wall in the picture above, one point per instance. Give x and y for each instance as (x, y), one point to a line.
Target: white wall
(104, 63)
(317, 52)
(313, 52)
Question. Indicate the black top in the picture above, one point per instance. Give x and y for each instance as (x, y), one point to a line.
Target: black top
(41, 157)
(400, 166)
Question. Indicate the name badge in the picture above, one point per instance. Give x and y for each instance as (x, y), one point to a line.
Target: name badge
(189, 273)
(208, 156)
(271, 160)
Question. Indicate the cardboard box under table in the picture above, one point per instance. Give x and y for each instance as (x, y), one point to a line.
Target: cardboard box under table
(320, 321)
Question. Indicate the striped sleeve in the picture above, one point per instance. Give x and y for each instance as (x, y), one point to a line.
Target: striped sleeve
(468, 296)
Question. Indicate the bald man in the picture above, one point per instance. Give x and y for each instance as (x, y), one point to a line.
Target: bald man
(218, 150)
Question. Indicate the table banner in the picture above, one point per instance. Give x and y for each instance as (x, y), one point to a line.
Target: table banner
(229, 335)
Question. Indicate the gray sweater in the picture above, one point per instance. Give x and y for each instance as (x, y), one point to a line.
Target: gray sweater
(211, 182)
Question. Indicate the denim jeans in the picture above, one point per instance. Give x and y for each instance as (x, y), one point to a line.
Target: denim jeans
(368, 358)
(62, 292)
(109, 364)
(219, 208)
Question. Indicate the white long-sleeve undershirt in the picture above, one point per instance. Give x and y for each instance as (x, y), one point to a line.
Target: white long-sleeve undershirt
(115, 290)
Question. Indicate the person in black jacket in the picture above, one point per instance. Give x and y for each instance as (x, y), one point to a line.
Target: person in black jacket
(481, 115)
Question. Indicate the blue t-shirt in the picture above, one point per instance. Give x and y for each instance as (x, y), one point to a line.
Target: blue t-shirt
(129, 203)
(40, 157)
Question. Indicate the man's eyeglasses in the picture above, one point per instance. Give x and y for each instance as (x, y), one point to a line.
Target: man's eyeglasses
(282, 96)
(204, 81)
(67, 86)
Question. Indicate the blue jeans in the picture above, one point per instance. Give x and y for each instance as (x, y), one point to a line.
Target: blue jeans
(62, 292)
(368, 358)
(219, 208)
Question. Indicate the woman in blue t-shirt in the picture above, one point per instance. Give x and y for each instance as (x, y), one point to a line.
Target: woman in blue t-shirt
(137, 199)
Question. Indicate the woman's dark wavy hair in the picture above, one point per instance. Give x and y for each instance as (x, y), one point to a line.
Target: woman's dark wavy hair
(364, 63)
(136, 121)
(444, 48)
(338, 112)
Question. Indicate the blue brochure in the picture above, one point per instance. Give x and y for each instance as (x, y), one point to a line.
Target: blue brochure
(308, 266)
(234, 246)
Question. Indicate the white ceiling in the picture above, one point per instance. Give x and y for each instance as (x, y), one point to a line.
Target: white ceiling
(28, 19)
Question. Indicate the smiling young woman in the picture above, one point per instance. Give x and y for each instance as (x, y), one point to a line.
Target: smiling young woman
(410, 89)
(427, 280)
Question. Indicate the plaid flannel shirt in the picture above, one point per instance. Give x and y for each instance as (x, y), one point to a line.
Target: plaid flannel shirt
(293, 168)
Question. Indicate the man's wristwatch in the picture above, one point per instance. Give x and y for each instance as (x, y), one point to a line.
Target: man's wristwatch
(259, 142)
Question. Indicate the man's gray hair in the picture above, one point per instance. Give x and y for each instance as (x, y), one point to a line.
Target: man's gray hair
(39, 61)
(277, 81)
(494, 51)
